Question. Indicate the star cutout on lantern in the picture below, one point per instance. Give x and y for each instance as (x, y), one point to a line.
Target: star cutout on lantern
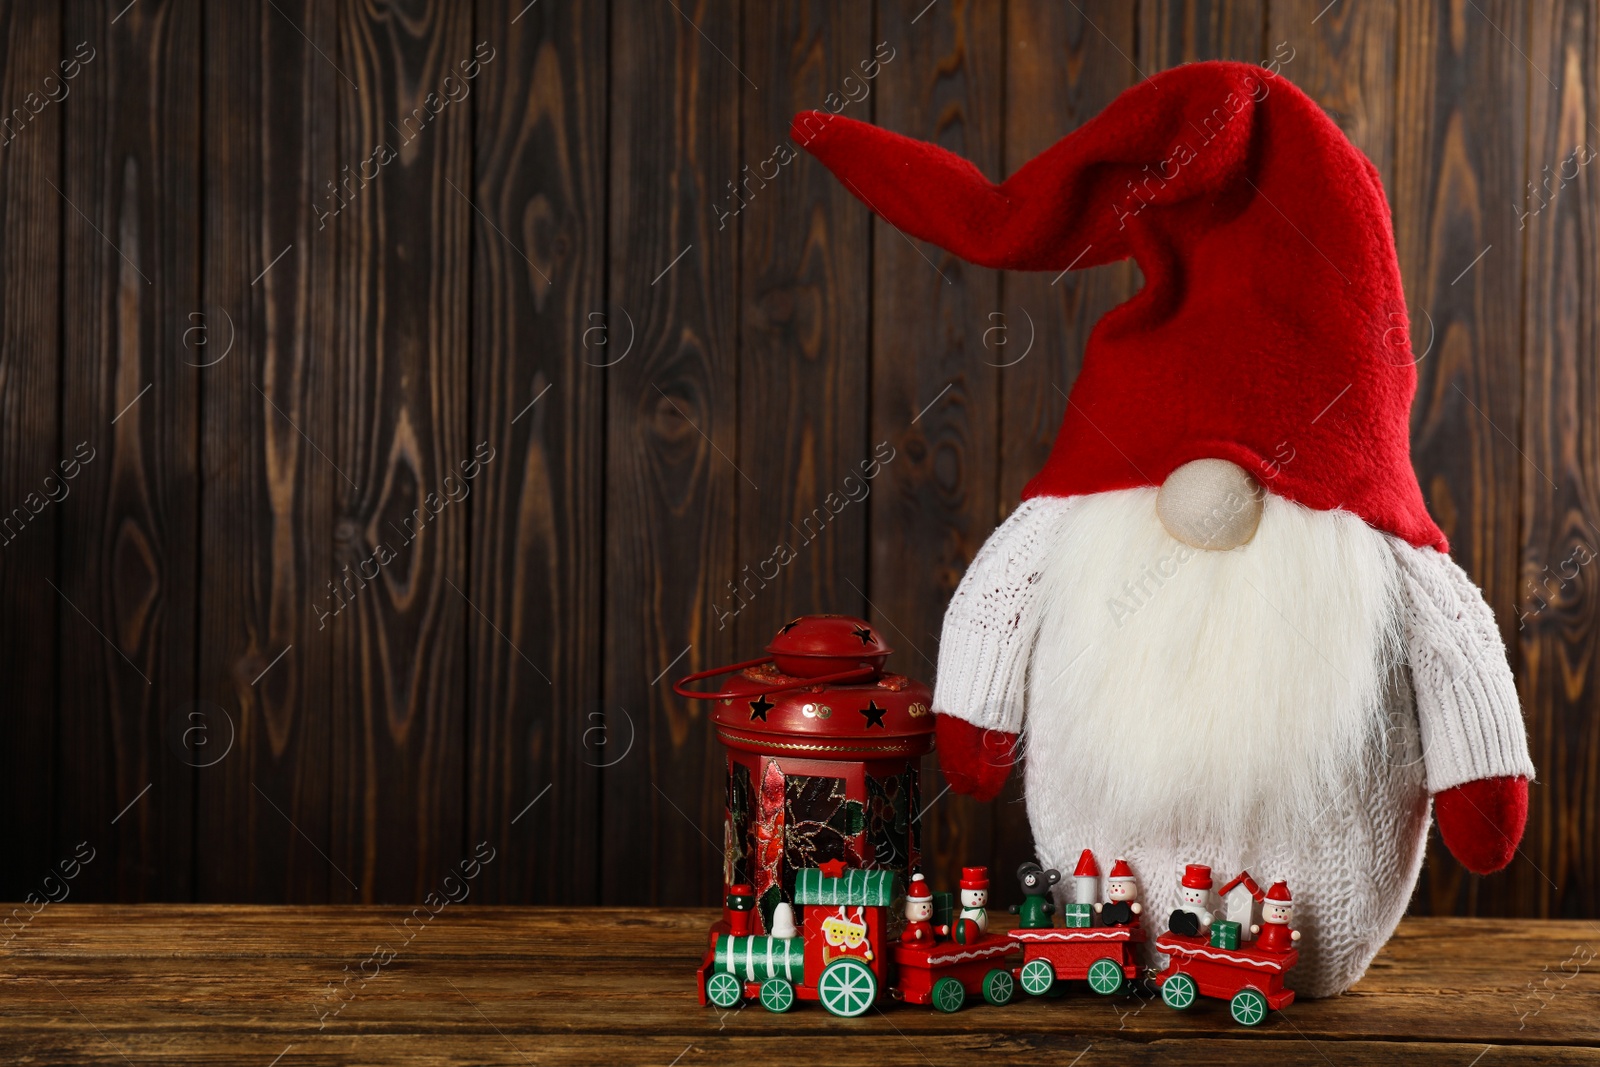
(863, 633)
(759, 708)
(832, 868)
(788, 626)
(874, 714)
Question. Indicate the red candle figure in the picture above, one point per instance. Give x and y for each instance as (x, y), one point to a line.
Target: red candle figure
(919, 913)
(1277, 911)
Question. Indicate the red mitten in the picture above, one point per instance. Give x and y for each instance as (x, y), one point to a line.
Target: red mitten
(974, 760)
(1481, 822)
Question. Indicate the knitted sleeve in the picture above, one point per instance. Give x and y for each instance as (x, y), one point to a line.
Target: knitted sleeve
(990, 624)
(1466, 696)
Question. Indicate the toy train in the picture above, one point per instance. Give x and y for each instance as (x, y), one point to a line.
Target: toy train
(841, 954)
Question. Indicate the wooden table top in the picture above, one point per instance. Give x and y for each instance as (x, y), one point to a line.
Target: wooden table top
(101, 984)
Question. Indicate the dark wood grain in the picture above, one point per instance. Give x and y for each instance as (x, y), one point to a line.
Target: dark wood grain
(503, 985)
(672, 437)
(128, 532)
(674, 377)
(399, 673)
(541, 334)
(933, 399)
(32, 482)
(804, 261)
(1187, 31)
(257, 345)
(1560, 489)
(1459, 87)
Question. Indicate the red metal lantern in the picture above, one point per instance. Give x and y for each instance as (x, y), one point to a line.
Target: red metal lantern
(823, 752)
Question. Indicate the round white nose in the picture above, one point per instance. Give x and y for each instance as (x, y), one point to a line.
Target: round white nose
(1210, 503)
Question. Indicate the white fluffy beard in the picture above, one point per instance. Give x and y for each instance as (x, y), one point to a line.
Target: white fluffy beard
(1183, 694)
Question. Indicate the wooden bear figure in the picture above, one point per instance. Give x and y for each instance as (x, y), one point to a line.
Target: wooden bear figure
(1036, 908)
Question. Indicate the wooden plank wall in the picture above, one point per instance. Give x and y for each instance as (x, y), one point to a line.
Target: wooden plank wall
(435, 380)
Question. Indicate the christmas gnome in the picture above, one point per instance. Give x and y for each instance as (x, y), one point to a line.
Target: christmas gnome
(1221, 622)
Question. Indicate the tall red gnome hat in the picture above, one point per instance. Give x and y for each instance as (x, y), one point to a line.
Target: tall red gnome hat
(1272, 314)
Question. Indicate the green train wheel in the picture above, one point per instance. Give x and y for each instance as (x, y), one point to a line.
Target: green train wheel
(1178, 992)
(847, 987)
(1037, 977)
(777, 994)
(948, 994)
(1105, 976)
(999, 987)
(1248, 1007)
(723, 990)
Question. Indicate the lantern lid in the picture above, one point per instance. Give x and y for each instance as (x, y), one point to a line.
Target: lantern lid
(814, 645)
(886, 716)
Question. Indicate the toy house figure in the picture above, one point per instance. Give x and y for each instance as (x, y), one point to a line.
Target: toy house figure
(1122, 905)
(1193, 915)
(1241, 903)
(1036, 908)
(1273, 934)
(919, 913)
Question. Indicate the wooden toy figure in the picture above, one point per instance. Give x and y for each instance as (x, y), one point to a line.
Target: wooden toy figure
(1273, 934)
(1036, 908)
(919, 912)
(1122, 905)
(973, 921)
(1192, 917)
(737, 910)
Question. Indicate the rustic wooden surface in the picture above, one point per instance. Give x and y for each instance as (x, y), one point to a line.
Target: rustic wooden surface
(490, 985)
(677, 349)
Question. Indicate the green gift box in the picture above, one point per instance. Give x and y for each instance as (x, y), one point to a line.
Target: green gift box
(1224, 934)
(1077, 916)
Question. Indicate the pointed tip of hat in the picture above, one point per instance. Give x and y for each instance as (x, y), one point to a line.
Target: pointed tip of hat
(1087, 868)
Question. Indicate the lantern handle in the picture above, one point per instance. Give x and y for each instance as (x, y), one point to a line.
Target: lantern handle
(855, 675)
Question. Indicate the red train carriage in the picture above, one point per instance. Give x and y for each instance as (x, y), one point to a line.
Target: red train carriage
(1102, 955)
(945, 973)
(1250, 979)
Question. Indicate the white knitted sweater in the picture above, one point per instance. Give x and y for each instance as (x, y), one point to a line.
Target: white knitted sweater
(1452, 716)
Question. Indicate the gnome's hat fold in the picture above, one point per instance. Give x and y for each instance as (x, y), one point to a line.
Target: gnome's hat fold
(1271, 330)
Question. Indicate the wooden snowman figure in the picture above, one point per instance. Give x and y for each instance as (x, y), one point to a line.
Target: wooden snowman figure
(919, 914)
(1122, 905)
(1274, 934)
(1193, 916)
(973, 921)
